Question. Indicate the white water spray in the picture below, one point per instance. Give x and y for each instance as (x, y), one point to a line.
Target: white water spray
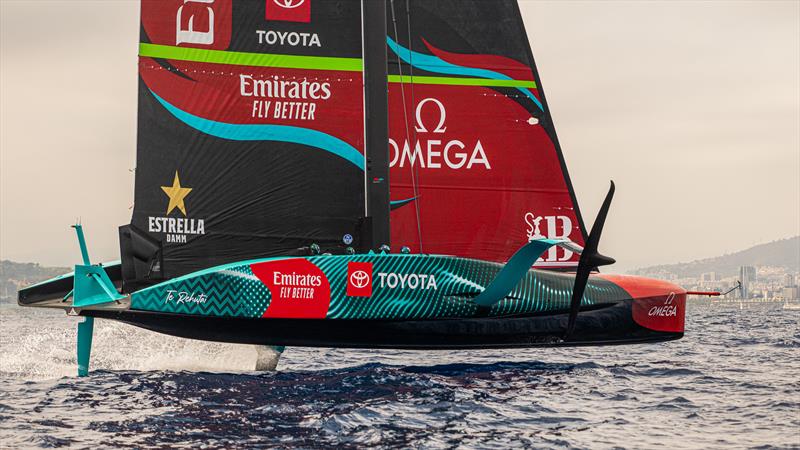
(41, 344)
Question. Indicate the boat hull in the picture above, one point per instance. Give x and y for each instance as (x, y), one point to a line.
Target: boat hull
(387, 301)
(609, 325)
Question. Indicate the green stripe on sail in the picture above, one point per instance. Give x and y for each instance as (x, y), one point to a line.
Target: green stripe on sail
(308, 62)
(455, 81)
(250, 59)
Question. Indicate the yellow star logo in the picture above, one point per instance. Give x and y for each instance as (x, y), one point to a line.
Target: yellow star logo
(176, 194)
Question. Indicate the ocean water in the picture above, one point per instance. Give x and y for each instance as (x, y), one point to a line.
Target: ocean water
(732, 382)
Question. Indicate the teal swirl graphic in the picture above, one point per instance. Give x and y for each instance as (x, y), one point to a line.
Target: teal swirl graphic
(435, 64)
(259, 132)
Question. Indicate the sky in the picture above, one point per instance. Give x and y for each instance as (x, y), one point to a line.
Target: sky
(692, 108)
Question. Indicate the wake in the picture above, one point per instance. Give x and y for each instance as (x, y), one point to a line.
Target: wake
(43, 345)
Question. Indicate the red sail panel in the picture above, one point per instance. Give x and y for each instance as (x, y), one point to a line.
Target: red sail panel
(472, 148)
(482, 192)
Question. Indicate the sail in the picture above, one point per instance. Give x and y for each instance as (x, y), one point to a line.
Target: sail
(250, 133)
(476, 168)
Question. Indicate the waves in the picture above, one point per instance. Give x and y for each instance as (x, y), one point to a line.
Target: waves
(731, 382)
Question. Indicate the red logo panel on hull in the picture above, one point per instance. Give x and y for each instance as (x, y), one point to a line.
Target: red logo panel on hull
(665, 313)
(359, 279)
(299, 289)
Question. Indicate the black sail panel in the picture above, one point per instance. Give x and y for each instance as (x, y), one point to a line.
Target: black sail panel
(250, 132)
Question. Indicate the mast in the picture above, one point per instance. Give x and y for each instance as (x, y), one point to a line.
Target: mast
(376, 121)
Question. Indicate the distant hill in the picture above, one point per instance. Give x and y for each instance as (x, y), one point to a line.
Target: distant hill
(782, 253)
(15, 275)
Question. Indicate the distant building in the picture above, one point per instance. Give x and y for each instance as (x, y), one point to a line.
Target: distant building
(788, 280)
(708, 277)
(791, 293)
(747, 275)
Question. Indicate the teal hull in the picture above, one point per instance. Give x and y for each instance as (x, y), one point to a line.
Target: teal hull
(385, 301)
(399, 287)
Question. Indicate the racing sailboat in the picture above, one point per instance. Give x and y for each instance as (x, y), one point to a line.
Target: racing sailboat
(354, 173)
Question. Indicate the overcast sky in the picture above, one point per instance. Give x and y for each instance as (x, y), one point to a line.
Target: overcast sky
(693, 108)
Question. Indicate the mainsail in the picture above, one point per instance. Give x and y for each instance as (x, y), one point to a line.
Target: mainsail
(250, 133)
(476, 168)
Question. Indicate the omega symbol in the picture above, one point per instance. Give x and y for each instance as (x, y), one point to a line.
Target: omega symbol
(440, 128)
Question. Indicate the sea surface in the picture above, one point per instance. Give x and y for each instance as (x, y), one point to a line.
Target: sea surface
(732, 382)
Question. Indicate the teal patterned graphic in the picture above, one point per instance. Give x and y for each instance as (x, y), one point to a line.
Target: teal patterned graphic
(233, 290)
(227, 292)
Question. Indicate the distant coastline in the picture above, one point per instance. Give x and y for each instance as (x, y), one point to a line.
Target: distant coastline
(14, 276)
(768, 272)
(784, 253)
